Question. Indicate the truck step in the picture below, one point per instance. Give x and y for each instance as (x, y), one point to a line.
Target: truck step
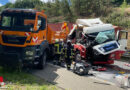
(37, 49)
(37, 56)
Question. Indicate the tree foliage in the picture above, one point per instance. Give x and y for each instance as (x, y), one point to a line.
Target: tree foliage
(90, 7)
(79, 8)
(28, 4)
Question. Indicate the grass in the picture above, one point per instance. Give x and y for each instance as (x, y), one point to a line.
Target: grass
(24, 81)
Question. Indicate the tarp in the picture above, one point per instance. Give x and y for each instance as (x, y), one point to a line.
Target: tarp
(89, 22)
(98, 28)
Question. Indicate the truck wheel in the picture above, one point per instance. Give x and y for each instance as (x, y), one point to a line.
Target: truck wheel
(42, 61)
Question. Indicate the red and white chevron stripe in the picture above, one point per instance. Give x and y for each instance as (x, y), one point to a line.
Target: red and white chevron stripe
(27, 34)
(35, 39)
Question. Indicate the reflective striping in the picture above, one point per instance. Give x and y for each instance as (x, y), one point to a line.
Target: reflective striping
(27, 34)
(35, 39)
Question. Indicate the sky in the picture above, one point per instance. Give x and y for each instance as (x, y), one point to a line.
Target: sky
(3, 2)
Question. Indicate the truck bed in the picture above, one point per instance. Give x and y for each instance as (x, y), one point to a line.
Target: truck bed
(55, 31)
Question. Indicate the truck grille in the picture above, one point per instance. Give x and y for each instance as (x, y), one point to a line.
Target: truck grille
(12, 39)
(101, 57)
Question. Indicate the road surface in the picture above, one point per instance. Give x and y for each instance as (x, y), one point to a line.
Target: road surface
(67, 80)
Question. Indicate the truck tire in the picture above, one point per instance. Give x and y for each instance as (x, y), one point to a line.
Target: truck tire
(42, 61)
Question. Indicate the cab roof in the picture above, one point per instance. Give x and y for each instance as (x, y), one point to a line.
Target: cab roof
(99, 28)
(17, 10)
(89, 22)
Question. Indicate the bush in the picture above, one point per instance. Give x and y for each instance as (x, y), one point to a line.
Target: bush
(119, 19)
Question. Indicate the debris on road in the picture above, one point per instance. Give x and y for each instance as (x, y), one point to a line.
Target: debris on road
(122, 80)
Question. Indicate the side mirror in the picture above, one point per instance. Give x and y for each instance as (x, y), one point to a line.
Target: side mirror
(37, 27)
(117, 35)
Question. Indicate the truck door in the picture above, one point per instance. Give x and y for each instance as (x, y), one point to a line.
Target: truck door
(41, 25)
(122, 39)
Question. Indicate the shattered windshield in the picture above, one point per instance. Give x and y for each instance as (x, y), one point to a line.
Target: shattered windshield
(104, 36)
(17, 22)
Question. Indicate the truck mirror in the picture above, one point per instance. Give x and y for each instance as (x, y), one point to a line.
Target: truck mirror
(117, 35)
(0, 19)
(36, 28)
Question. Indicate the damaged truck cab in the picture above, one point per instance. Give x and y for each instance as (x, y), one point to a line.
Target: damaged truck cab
(96, 42)
(23, 37)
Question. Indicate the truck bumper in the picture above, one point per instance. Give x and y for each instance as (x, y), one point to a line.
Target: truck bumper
(104, 62)
(13, 56)
(13, 60)
(9, 59)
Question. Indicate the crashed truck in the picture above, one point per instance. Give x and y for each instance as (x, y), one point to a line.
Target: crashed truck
(96, 42)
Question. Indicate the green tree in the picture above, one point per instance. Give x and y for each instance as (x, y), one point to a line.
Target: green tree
(27, 3)
(56, 8)
(66, 10)
(90, 7)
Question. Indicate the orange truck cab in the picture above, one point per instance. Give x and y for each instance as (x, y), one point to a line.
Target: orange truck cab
(24, 37)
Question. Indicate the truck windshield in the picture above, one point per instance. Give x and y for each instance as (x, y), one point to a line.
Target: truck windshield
(17, 22)
(104, 36)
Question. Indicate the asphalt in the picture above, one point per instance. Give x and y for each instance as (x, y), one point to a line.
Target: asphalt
(113, 71)
(67, 80)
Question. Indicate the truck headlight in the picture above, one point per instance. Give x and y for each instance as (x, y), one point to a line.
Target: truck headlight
(29, 53)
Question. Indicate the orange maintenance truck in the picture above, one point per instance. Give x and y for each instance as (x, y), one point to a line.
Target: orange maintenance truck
(25, 37)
